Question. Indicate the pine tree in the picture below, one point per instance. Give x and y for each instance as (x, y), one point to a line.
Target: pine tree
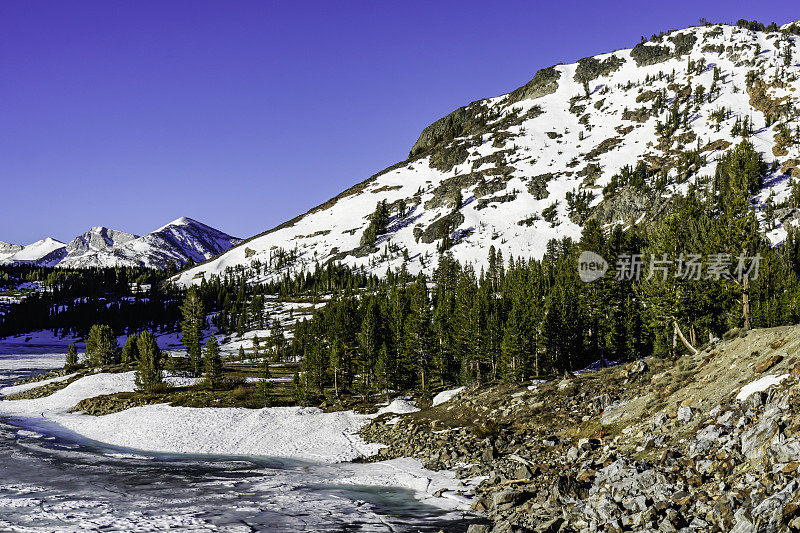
(383, 377)
(148, 376)
(191, 328)
(72, 357)
(369, 342)
(101, 346)
(277, 341)
(336, 364)
(420, 331)
(314, 365)
(213, 364)
(256, 348)
(130, 352)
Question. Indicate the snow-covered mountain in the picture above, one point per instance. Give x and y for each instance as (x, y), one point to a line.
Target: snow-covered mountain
(97, 239)
(536, 163)
(7, 250)
(45, 252)
(179, 242)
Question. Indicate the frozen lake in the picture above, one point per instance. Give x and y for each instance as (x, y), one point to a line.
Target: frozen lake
(53, 479)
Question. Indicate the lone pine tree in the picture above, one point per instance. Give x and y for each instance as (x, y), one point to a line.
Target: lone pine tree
(192, 326)
(101, 346)
(130, 351)
(213, 364)
(148, 375)
(72, 357)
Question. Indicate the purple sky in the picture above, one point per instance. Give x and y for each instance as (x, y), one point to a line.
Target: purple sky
(129, 114)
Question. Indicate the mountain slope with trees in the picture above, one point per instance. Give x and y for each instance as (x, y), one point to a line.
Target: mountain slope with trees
(614, 138)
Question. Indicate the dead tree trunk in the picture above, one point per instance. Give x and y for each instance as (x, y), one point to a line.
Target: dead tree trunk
(746, 302)
(679, 333)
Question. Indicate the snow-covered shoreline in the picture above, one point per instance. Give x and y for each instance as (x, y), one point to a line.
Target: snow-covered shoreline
(297, 433)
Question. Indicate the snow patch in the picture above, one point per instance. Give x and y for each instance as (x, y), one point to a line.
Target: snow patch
(399, 406)
(759, 385)
(446, 396)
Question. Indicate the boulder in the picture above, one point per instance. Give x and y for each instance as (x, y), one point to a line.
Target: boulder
(758, 439)
(685, 413)
(767, 363)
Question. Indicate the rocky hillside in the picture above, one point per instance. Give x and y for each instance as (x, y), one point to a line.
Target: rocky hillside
(610, 137)
(180, 242)
(709, 442)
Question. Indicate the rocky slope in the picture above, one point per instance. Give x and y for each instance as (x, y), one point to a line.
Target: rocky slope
(536, 163)
(710, 442)
(179, 242)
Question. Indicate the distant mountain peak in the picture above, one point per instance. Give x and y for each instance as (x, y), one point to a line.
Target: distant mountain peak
(183, 221)
(8, 249)
(96, 239)
(8, 246)
(181, 241)
(44, 252)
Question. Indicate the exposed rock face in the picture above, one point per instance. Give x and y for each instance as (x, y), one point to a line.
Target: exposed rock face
(6, 248)
(651, 54)
(537, 185)
(544, 82)
(463, 121)
(441, 227)
(98, 238)
(590, 68)
(646, 54)
(630, 205)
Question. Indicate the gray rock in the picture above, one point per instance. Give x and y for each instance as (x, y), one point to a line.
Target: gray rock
(768, 514)
(551, 526)
(572, 454)
(685, 413)
(726, 419)
(743, 522)
(705, 440)
(758, 439)
(784, 451)
(659, 420)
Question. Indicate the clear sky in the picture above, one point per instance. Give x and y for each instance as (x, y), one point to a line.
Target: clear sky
(130, 114)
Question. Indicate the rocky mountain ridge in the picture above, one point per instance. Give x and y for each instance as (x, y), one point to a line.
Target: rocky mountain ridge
(610, 137)
(180, 242)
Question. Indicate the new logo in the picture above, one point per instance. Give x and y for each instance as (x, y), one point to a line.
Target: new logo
(591, 266)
